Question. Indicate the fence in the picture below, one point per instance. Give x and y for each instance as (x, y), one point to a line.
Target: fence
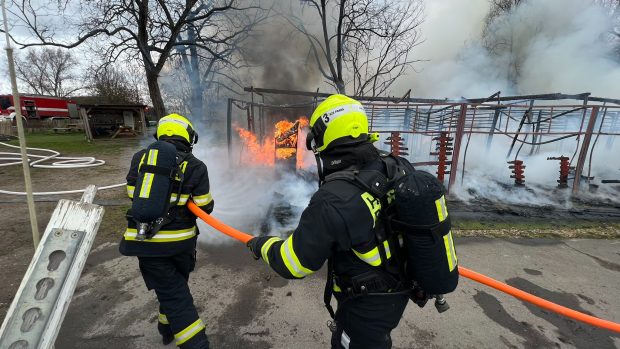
(7, 127)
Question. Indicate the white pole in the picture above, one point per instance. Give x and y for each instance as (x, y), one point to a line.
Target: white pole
(20, 133)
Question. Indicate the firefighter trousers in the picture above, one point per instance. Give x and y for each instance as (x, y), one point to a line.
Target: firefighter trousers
(366, 322)
(178, 316)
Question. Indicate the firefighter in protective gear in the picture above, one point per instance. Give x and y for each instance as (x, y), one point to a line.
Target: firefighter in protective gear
(168, 257)
(340, 225)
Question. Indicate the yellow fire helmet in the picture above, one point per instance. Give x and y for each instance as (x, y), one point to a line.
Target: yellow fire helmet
(338, 120)
(177, 125)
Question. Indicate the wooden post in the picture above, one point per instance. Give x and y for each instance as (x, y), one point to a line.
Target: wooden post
(87, 130)
(41, 302)
(34, 226)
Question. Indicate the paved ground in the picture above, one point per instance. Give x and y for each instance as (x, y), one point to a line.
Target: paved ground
(245, 305)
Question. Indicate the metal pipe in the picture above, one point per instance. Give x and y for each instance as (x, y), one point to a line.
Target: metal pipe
(322, 94)
(546, 96)
(229, 130)
(492, 131)
(598, 134)
(584, 149)
(20, 132)
(460, 127)
(430, 133)
(536, 148)
(518, 132)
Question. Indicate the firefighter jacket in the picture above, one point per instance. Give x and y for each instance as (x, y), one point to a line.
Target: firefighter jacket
(339, 223)
(179, 235)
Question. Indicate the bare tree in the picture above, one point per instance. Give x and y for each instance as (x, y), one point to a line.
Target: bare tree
(498, 8)
(48, 71)
(506, 37)
(499, 37)
(215, 67)
(612, 7)
(381, 56)
(366, 43)
(112, 86)
(143, 30)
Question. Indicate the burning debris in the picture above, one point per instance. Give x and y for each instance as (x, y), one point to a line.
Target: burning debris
(283, 147)
(286, 138)
(281, 152)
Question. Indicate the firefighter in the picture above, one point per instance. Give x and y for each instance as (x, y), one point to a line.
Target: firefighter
(340, 226)
(168, 257)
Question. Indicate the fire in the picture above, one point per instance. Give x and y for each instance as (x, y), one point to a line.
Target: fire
(283, 145)
(255, 153)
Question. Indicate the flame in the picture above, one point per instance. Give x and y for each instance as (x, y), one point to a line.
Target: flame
(254, 152)
(283, 145)
(285, 153)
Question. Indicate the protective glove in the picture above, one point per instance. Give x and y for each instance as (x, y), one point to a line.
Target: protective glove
(253, 247)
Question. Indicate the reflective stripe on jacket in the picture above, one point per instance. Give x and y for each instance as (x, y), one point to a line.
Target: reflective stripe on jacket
(181, 232)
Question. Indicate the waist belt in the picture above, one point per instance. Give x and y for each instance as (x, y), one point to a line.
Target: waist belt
(375, 282)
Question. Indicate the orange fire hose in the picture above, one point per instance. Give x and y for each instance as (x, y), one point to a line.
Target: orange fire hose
(470, 274)
(230, 231)
(543, 303)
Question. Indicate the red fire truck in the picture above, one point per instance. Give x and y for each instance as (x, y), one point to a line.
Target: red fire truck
(36, 107)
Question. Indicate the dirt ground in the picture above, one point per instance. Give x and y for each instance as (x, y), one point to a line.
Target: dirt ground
(16, 233)
(91, 301)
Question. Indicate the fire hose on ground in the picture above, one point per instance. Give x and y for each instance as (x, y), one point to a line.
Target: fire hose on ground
(61, 162)
(468, 273)
(65, 162)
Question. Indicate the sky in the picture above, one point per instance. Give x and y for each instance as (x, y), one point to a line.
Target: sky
(564, 53)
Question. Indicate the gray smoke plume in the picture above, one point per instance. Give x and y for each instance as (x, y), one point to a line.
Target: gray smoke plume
(281, 56)
(541, 46)
(556, 46)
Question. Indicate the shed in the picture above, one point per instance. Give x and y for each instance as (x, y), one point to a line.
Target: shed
(112, 120)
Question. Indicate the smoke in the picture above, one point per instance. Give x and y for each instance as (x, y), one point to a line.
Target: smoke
(282, 59)
(487, 173)
(280, 56)
(250, 197)
(541, 46)
(254, 197)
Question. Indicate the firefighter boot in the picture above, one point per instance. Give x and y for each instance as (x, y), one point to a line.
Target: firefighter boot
(164, 329)
(167, 338)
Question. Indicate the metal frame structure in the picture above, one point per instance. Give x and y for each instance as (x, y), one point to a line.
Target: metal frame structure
(531, 120)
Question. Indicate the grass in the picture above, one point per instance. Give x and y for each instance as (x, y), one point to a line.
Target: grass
(113, 224)
(528, 224)
(538, 229)
(75, 143)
